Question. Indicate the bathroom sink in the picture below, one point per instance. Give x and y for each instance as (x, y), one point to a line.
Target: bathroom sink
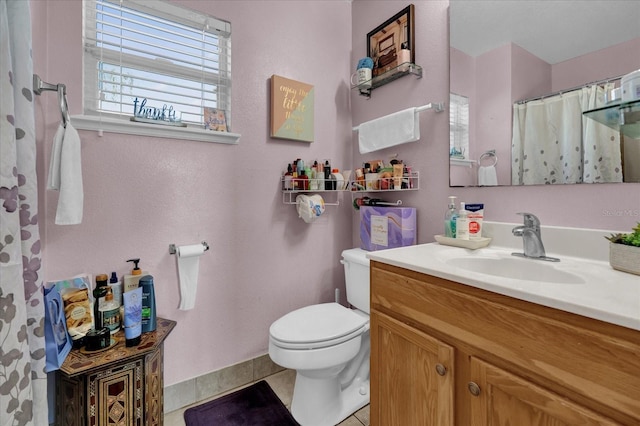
(516, 268)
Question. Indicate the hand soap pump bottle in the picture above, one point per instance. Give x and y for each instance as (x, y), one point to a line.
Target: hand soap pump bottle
(131, 280)
(450, 218)
(148, 304)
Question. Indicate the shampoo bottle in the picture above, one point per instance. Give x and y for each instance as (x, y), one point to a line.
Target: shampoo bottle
(462, 224)
(131, 280)
(132, 317)
(148, 304)
(450, 218)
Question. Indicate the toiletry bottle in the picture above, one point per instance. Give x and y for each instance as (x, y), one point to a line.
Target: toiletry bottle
(131, 280)
(99, 294)
(148, 304)
(132, 320)
(404, 57)
(304, 181)
(309, 174)
(462, 224)
(287, 178)
(116, 287)
(110, 313)
(327, 176)
(336, 179)
(450, 218)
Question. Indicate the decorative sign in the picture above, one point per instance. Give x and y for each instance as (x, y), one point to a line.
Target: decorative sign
(215, 119)
(147, 114)
(292, 109)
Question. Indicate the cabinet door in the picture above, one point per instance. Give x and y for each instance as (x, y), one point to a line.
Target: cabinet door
(411, 376)
(115, 395)
(501, 398)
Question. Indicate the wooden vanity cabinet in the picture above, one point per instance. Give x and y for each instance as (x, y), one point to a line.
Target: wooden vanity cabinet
(444, 353)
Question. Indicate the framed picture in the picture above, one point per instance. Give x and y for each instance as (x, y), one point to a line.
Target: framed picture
(215, 119)
(385, 42)
(292, 109)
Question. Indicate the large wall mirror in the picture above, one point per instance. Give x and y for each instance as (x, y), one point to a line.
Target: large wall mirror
(530, 69)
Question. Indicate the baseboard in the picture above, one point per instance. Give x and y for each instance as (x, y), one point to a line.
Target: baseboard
(208, 385)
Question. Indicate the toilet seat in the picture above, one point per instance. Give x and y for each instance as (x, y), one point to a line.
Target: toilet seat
(317, 326)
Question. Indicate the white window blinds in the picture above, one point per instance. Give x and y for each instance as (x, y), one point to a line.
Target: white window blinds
(155, 51)
(458, 126)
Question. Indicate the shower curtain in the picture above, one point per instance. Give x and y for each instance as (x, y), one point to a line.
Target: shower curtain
(23, 382)
(553, 144)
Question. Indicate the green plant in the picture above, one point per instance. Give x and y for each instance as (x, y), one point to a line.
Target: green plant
(630, 239)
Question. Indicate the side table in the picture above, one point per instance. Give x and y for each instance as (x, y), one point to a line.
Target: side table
(115, 386)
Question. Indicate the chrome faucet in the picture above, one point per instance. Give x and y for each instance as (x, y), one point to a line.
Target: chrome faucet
(531, 238)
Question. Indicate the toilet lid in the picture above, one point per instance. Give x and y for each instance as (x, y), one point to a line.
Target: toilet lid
(317, 323)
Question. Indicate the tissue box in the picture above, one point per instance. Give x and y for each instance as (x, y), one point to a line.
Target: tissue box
(387, 227)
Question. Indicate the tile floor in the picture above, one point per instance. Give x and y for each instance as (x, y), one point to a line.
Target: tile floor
(282, 384)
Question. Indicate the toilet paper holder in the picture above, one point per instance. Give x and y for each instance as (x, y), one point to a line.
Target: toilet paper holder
(172, 247)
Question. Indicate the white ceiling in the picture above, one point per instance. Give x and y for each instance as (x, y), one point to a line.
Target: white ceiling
(553, 30)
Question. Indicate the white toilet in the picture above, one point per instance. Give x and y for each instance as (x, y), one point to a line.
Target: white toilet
(328, 345)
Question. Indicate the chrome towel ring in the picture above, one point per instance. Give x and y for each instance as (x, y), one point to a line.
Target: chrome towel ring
(488, 155)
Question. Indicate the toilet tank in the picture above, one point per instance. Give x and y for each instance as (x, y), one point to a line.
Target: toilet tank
(356, 274)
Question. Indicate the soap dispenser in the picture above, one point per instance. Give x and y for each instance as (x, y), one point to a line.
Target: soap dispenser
(132, 280)
(148, 304)
(450, 218)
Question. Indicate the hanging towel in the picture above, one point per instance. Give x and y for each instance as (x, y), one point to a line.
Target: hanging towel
(53, 181)
(393, 129)
(487, 176)
(65, 175)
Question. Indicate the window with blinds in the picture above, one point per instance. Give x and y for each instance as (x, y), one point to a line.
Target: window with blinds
(458, 126)
(170, 56)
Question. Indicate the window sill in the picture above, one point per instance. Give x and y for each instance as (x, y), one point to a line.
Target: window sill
(112, 125)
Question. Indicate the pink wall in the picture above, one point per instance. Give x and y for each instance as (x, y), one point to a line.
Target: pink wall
(493, 109)
(530, 75)
(141, 194)
(610, 62)
(463, 82)
(605, 206)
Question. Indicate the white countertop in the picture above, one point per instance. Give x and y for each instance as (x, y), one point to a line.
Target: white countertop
(600, 292)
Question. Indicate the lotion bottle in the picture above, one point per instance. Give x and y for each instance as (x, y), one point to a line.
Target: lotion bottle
(148, 304)
(131, 280)
(110, 313)
(462, 224)
(450, 218)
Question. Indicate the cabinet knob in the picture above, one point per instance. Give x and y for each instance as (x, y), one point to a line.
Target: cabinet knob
(474, 388)
(441, 369)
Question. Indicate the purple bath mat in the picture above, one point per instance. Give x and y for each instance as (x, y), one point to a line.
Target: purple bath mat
(256, 405)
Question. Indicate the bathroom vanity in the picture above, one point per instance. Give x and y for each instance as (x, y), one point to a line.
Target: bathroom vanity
(454, 347)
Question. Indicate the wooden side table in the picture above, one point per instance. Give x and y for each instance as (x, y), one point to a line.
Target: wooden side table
(118, 386)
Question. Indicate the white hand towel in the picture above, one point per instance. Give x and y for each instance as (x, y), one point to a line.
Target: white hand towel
(390, 130)
(70, 201)
(53, 181)
(487, 176)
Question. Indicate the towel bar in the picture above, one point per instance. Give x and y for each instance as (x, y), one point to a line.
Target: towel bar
(437, 107)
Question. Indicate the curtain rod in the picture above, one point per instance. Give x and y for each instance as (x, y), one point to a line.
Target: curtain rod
(560, 92)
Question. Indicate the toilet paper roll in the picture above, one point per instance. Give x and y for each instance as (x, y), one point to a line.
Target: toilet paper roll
(188, 265)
